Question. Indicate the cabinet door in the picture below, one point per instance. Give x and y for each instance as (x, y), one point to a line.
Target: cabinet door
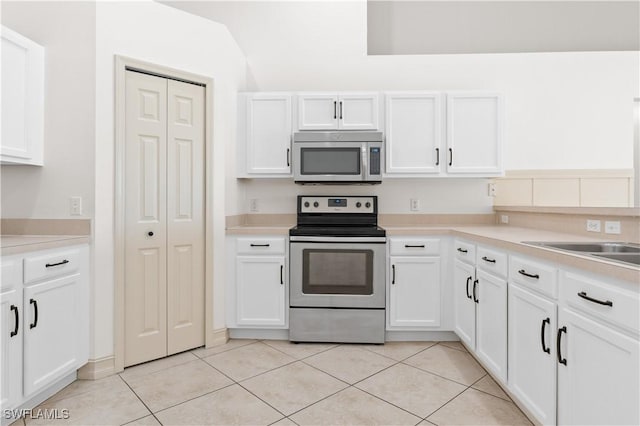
(22, 99)
(474, 133)
(317, 111)
(10, 348)
(413, 133)
(600, 381)
(358, 111)
(268, 134)
(491, 322)
(532, 362)
(260, 291)
(50, 324)
(464, 307)
(414, 292)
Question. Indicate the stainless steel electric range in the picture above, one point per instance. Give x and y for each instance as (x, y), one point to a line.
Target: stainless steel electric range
(337, 271)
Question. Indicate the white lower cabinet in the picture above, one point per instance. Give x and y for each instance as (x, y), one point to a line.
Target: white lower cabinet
(414, 292)
(44, 322)
(260, 291)
(257, 282)
(50, 327)
(11, 347)
(532, 352)
(464, 306)
(491, 322)
(598, 373)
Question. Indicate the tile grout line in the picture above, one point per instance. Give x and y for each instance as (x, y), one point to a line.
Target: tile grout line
(454, 397)
(442, 377)
(141, 401)
(221, 352)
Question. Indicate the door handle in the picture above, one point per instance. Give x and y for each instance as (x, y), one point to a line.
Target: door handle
(393, 274)
(486, 259)
(545, 349)
(150, 233)
(437, 156)
(526, 274)
(259, 245)
(558, 341)
(16, 316)
(461, 250)
(467, 287)
(414, 246)
(340, 110)
(281, 276)
(288, 156)
(475, 284)
(33, 302)
(335, 114)
(450, 156)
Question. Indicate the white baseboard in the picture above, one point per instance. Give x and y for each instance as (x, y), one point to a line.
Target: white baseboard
(420, 336)
(98, 368)
(253, 333)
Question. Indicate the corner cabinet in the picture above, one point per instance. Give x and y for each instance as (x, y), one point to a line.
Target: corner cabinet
(264, 135)
(257, 283)
(338, 111)
(22, 100)
(474, 133)
(44, 301)
(414, 295)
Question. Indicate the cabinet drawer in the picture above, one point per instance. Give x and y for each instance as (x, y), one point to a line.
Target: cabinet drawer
(464, 251)
(261, 245)
(491, 261)
(602, 300)
(414, 247)
(52, 264)
(11, 273)
(534, 275)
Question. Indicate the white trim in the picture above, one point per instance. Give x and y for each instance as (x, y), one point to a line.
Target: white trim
(121, 63)
(97, 368)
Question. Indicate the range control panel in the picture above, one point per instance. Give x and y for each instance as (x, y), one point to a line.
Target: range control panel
(324, 204)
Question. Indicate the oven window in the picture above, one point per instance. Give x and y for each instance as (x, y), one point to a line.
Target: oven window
(337, 271)
(330, 161)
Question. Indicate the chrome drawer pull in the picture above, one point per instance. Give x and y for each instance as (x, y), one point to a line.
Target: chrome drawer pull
(49, 265)
(583, 294)
(523, 272)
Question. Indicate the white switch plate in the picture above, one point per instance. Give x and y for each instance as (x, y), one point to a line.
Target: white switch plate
(253, 205)
(612, 227)
(415, 205)
(75, 206)
(504, 219)
(593, 225)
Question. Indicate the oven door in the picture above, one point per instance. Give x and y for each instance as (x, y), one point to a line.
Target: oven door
(337, 274)
(329, 161)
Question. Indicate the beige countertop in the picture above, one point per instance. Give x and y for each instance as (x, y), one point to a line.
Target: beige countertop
(15, 244)
(506, 237)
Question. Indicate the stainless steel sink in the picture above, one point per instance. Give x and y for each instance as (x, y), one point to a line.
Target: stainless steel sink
(633, 258)
(628, 253)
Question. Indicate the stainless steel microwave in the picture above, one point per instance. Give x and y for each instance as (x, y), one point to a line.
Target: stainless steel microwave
(337, 157)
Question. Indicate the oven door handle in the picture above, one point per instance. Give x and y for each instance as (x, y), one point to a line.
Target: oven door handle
(329, 239)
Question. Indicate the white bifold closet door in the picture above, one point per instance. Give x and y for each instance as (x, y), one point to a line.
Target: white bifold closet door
(164, 217)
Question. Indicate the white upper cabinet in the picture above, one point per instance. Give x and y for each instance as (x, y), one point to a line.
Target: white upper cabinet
(333, 111)
(266, 132)
(22, 100)
(474, 133)
(413, 133)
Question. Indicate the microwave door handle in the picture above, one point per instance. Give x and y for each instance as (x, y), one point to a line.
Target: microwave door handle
(365, 171)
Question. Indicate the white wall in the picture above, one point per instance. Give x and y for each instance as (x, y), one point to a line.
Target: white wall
(67, 31)
(563, 110)
(155, 33)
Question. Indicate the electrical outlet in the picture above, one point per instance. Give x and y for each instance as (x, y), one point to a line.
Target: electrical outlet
(75, 206)
(492, 190)
(253, 205)
(593, 225)
(612, 227)
(504, 219)
(415, 204)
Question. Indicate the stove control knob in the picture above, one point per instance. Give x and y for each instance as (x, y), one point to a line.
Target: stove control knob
(315, 204)
(306, 204)
(368, 204)
(358, 204)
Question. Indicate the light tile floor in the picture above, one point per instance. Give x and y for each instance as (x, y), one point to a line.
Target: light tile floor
(249, 382)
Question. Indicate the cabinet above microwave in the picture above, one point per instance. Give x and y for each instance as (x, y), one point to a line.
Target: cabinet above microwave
(338, 111)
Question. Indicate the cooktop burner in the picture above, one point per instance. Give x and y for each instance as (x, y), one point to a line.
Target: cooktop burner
(337, 231)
